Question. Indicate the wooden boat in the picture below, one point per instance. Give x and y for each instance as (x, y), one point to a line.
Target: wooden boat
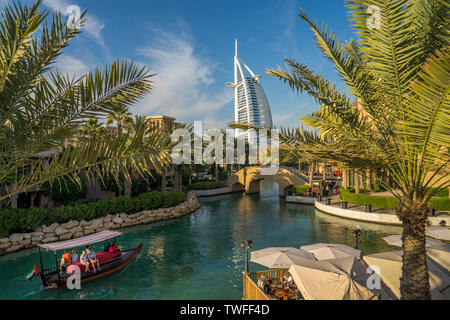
(53, 278)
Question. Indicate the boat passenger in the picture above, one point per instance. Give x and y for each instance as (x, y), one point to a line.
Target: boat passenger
(85, 260)
(93, 259)
(65, 260)
(106, 246)
(114, 248)
(73, 257)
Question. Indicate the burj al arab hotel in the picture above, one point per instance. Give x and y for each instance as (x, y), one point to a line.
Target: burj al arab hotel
(250, 102)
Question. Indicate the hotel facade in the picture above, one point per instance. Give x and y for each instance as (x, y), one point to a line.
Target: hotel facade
(250, 101)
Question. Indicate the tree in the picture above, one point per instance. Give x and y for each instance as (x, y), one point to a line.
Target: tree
(120, 115)
(399, 73)
(42, 109)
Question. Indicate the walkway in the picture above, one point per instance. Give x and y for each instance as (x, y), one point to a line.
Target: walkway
(382, 216)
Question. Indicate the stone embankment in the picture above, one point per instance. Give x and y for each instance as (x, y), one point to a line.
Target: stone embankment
(76, 229)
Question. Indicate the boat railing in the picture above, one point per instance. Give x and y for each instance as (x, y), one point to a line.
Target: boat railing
(50, 271)
(251, 289)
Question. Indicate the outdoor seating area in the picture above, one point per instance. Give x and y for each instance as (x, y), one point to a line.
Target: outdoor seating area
(337, 272)
(274, 285)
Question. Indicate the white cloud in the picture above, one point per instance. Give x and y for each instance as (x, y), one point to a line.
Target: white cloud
(71, 65)
(183, 84)
(93, 27)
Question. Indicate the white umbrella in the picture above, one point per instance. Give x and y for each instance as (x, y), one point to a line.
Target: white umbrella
(441, 233)
(338, 279)
(396, 241)
(280, 257)
(327, 251)
(390, 266)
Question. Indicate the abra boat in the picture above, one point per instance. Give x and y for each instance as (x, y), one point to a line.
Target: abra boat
(109, 263)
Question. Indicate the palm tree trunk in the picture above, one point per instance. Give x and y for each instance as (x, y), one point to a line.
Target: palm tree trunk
(345, 178)
(324, 172)
(180, 177)
(127, 189)
(164, 181)
(369, 179)
(216, 172)
(311, 173)
(414, 283)
(357, 190)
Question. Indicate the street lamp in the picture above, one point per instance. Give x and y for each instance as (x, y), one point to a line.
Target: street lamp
(357, 234)
(247, 244)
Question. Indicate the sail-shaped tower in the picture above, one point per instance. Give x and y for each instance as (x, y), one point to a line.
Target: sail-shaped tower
(250, 101)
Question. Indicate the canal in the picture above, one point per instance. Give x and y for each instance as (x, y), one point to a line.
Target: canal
(200, 257)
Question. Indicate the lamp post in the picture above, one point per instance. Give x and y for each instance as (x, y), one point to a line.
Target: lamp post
(357, 234)
(247, 244)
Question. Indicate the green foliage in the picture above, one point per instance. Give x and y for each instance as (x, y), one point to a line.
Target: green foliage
(207, 185)
(42, 109)
(109, 183)
(365, 199)
(438, 203)
(65, 189)
(441, 204)
(27, 220)
(442, 194)
(301, 190)
(139, 185)
(378, 188)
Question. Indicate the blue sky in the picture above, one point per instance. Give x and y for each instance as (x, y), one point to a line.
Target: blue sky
(190, 45)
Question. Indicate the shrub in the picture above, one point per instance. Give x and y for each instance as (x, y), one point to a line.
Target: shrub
(378, 188)
(441, 203)
(27, 220)
(301, 190)
(365, 199)
(65, 189)
(207, 185)
(442, 194)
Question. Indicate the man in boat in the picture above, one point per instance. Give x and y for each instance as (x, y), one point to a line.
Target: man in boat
(93, 259)
(84, 259)
(73, 257)
(106, 246)
(65, 260)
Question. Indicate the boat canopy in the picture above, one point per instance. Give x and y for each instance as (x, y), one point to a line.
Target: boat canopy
(83, 241)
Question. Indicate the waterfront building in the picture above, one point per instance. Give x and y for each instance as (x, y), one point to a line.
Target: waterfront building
(250, 101)
(163, 123)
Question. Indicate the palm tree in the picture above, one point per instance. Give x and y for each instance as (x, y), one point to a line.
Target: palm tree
(121, 115)
(399, 73)
(42, 109)
(92, 128)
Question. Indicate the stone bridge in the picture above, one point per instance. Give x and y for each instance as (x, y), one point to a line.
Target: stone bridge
(249, 179)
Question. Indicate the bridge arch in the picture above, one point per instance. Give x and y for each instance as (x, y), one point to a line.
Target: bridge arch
(248, 179)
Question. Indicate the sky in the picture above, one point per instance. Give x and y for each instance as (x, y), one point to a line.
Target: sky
(189, 45)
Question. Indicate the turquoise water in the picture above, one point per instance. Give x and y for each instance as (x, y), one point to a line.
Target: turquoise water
(199, 257)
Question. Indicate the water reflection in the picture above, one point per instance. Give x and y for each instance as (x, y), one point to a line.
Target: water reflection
(200, 257)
